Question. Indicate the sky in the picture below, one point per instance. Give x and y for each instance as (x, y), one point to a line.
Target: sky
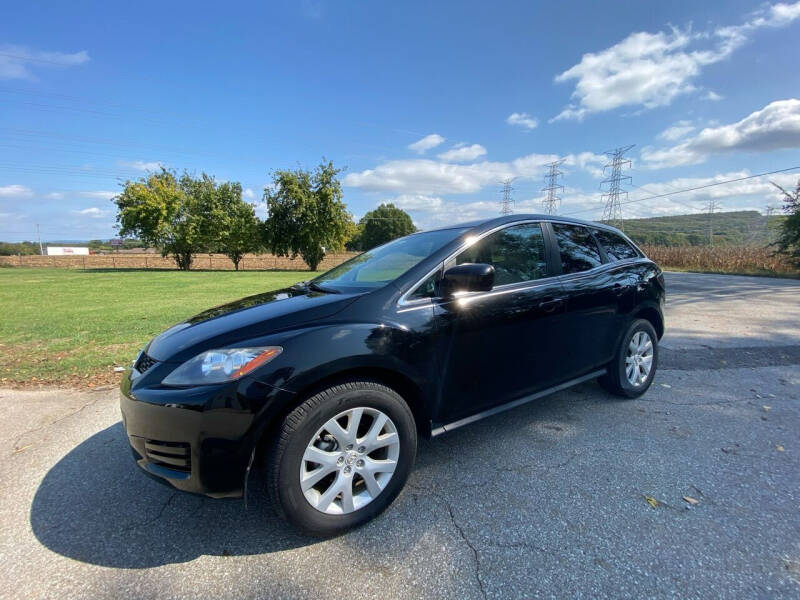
(429, 105)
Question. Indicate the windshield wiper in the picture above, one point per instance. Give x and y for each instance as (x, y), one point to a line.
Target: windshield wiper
(318, 288)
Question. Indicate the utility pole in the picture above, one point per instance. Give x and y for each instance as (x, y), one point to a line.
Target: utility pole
(39, 238)
(612, 211)
(711, 207)
(507, 204)
(552, 200)
(769, 211)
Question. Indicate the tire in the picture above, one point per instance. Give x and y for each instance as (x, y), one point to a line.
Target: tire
(617, 380)
(306, 505)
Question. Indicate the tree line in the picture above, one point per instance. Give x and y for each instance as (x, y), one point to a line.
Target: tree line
(184, 215)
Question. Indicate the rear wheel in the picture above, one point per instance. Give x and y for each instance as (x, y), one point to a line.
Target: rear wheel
(631, 372)
(342, 457)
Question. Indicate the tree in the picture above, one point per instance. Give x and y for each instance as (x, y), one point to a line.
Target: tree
(178, 216)
(239, 230)
(788, 241)
(382, 225)
(306, 214)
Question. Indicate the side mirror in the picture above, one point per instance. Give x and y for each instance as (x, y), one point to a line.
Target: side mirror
(469, 277)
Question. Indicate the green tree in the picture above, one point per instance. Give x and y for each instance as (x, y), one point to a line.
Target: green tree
(178, 216)
(382, 225)
(239, 230)
(14, 248)
(306, 214)
(788, 241)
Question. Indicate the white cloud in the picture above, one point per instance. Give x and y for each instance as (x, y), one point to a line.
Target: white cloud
(652, 69)
(93, 212)
(523, 120)
(677, 131)
(99, 194)
(248, 193)
(141, 165)
(429, 211)
(426, 143)
(427, 176)
(774, 127)
(55, 196)
(588, 161)
(712, 96)
(15, 191)
(463, 153)
(17, 62)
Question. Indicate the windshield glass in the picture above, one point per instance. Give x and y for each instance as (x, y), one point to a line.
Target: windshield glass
(377, 267)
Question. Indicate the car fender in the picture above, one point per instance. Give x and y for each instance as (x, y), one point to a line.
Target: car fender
(316, 354)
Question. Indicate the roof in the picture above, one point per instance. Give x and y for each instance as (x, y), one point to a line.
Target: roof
(482, 224)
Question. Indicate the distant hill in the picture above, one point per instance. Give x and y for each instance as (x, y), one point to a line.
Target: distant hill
(737, 228)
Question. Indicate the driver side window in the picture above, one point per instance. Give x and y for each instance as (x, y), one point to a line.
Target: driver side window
(517, 254)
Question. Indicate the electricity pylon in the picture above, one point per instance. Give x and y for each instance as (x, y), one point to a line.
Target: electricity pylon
(552, 201)
(507, 203)
(612, 211)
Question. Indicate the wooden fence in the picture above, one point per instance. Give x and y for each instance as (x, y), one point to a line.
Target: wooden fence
(216, 262)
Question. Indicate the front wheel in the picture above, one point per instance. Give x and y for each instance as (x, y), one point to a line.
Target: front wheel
(631, 372)
(342, 457)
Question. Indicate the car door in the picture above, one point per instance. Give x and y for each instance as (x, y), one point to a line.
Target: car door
(498, 345)
(590, 291)
(624, 272)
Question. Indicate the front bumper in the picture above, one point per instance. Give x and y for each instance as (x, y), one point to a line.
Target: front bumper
(198, 439)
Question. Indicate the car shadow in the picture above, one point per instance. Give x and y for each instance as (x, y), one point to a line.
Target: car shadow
(94, 505)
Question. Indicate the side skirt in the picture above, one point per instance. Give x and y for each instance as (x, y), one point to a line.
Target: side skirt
(514, 403)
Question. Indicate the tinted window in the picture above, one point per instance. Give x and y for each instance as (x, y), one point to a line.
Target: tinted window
(377, 267)
(517, 254)
(616, 246)
(427, 288)
(578, 249)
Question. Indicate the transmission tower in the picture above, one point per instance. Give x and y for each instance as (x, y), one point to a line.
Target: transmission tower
(507, 203)
(711, 207)
(552, 200)
(612, 212)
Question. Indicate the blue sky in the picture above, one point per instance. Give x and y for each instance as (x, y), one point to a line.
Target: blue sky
(428, 105)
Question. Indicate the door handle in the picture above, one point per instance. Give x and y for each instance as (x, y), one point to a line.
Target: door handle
(551, 304)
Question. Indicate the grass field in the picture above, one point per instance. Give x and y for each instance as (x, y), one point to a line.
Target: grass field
(69, 327)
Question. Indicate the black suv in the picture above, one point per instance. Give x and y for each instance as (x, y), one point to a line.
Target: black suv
(329, 383)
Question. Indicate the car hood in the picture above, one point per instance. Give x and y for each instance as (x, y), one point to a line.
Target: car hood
(248, 318)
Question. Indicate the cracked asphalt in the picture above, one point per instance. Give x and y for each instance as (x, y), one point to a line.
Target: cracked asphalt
(547, 500)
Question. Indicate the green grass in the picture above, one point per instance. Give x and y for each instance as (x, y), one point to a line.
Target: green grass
(67, 327)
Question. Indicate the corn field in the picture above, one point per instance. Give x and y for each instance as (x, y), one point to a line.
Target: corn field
(721, 259)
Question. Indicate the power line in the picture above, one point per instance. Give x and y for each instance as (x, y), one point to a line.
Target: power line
(34, 59)
(693, 189)
(552, 200)
(612, 212)
(695, 208)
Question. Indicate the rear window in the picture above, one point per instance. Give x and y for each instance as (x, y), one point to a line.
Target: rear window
(617, 248)
(579, 251)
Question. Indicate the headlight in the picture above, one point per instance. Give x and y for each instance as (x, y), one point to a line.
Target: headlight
(219, 366)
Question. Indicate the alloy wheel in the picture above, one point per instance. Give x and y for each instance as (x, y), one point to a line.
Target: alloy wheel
(639, 360)
(349, 461)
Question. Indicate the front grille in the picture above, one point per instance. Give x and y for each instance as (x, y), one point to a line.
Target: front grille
(172, 455)
(144, 363)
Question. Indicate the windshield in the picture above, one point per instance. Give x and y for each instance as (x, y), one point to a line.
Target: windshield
(377, 267)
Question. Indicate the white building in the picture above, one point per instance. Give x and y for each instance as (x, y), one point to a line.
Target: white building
(67, 251)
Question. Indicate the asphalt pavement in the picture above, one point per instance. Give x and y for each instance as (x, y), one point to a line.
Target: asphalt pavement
(691, 491)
